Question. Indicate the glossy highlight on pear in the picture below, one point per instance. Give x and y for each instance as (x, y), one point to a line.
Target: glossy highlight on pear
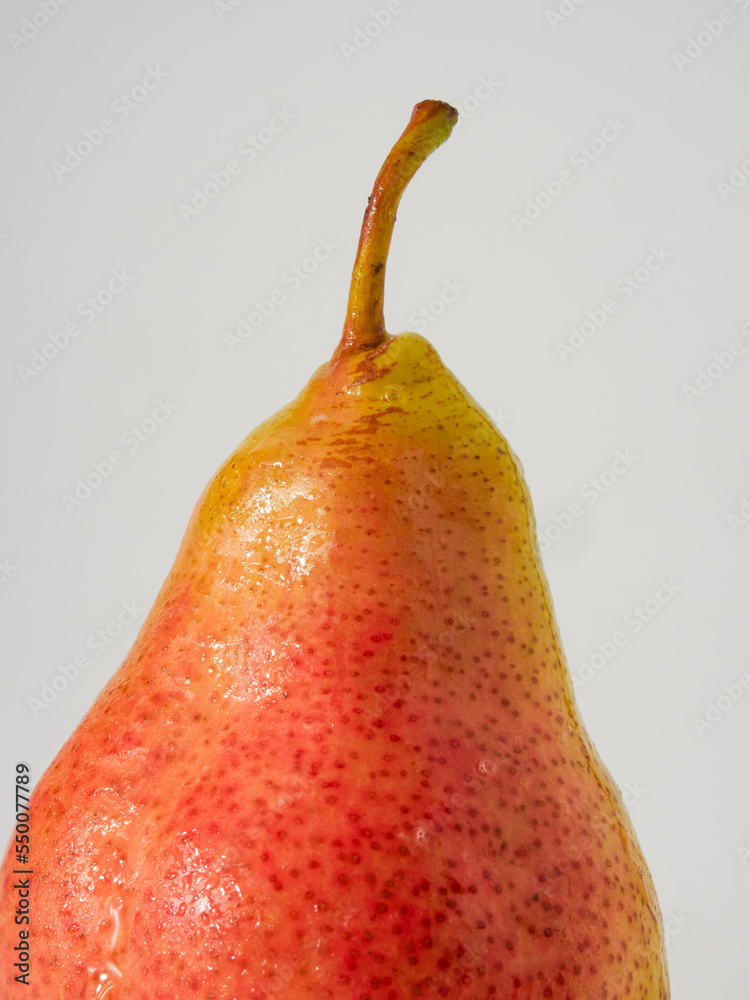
(343, 758)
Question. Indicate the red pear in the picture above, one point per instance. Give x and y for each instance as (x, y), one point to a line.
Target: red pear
(343, 759)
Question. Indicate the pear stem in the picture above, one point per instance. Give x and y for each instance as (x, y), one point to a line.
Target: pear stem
(364, 328)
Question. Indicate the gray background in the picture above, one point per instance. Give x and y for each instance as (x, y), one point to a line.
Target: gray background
(533, 89)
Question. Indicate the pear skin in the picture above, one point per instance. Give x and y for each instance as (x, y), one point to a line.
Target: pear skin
(343, 759)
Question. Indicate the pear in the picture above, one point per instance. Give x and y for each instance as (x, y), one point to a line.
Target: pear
(343, 758)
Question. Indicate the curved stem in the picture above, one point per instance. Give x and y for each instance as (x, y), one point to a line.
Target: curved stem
(364, 328)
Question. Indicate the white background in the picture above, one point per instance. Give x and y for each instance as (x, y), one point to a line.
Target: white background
(533, 88)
